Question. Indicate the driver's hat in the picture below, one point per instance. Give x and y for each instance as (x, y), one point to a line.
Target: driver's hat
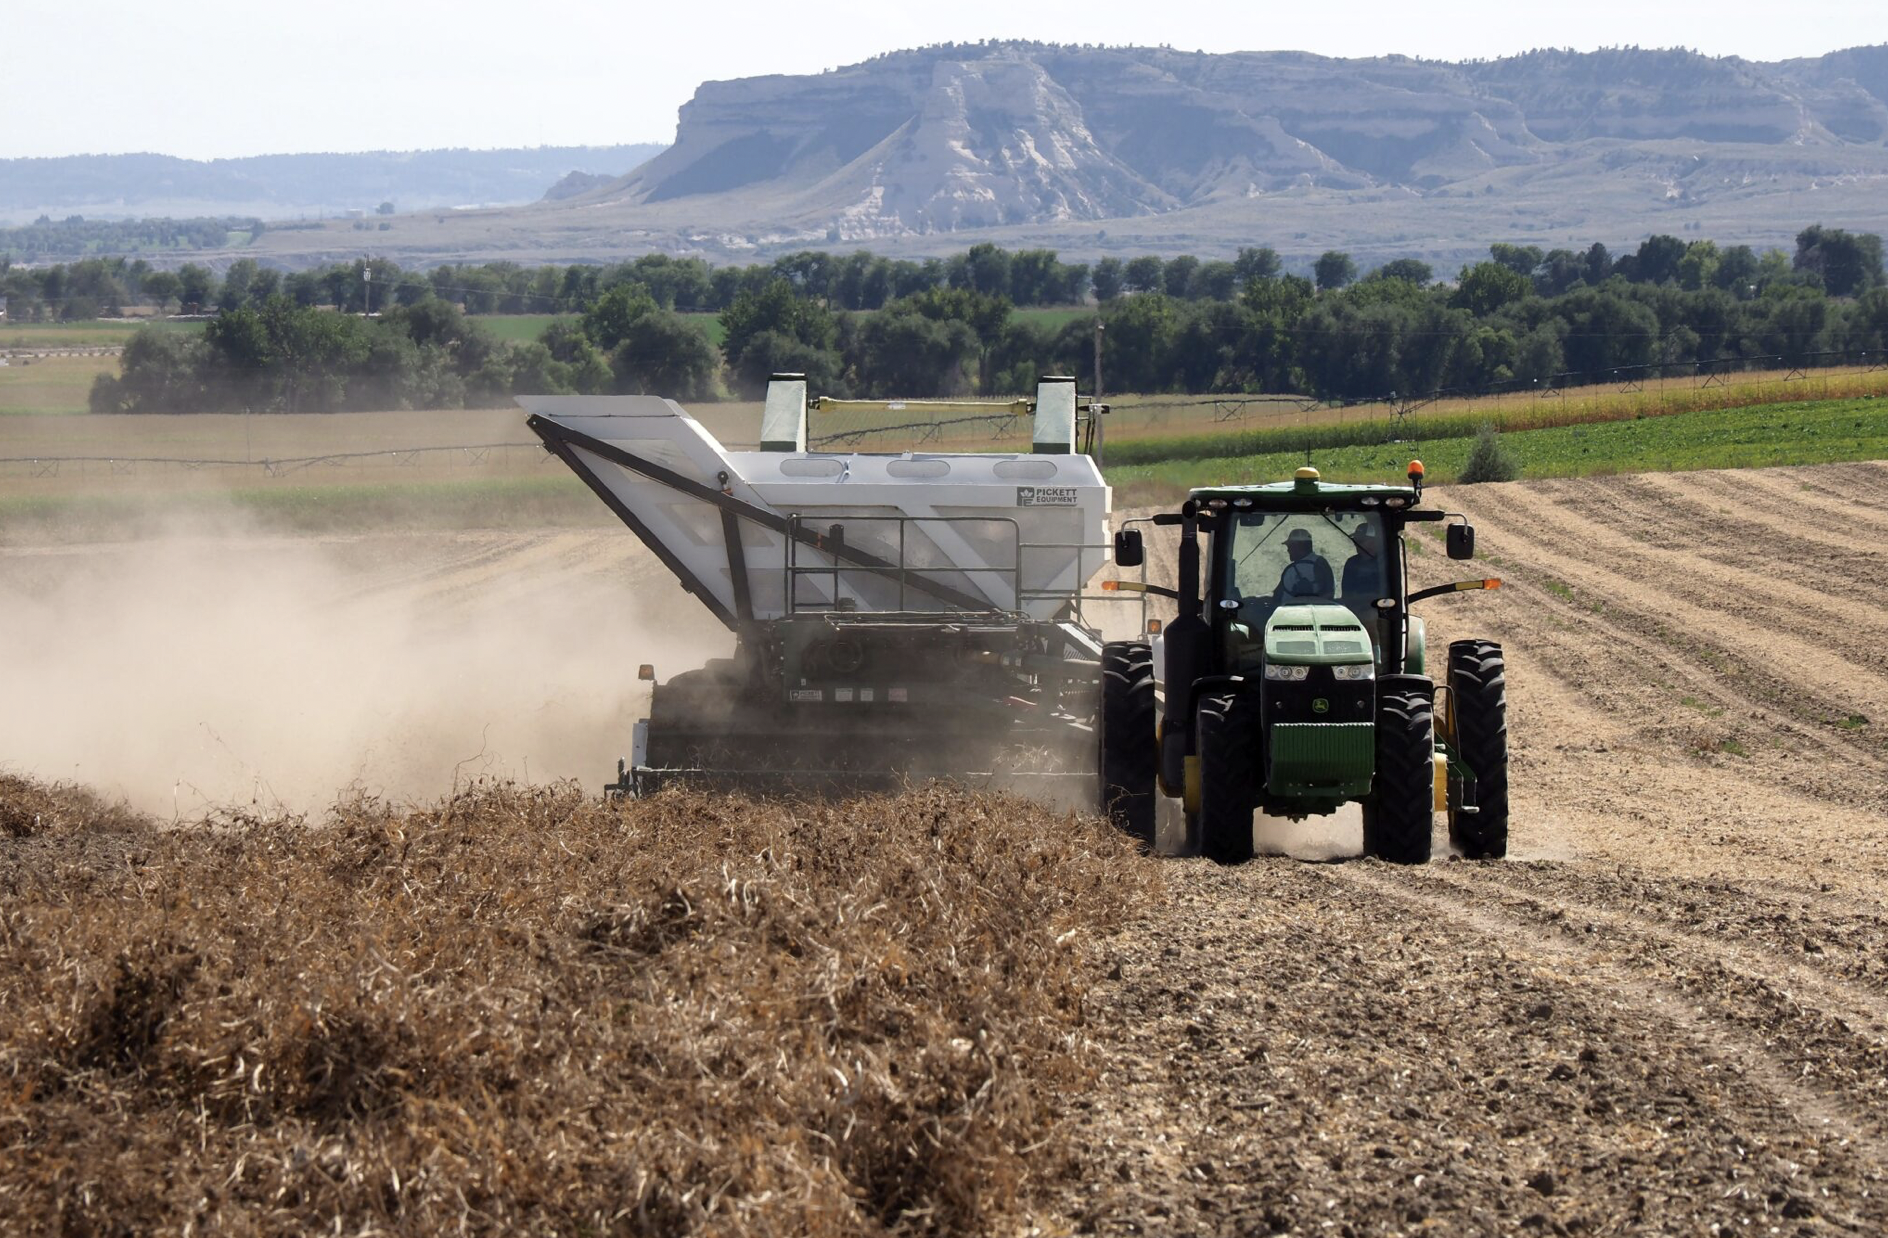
(1363, 531)
(1298, 535)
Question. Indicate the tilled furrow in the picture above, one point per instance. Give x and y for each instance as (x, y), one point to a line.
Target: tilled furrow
(1858, 490)
(1725, 504)
(1823, 1071)
(1331, 1057)
(1728, 662)
(1762, 555)
(1758, 584)
(1782, 989)
(1617, 570)
(1816, 929)
(1642, 668)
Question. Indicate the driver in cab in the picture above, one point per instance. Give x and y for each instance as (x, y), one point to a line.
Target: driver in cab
(1307, 575)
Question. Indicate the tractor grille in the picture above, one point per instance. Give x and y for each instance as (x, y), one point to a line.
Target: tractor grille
(1324, 758)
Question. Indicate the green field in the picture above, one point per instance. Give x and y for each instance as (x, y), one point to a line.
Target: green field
(522, 328)
(1784, 434)
(518, 328)
(92, 332)
(57, 385)
(1817, 432)
(1052, 316)
(710, 325)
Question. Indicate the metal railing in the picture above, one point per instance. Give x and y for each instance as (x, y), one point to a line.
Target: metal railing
(802, 537)
(901, 570)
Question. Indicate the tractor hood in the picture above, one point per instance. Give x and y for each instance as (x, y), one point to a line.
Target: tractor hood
(1316, 634)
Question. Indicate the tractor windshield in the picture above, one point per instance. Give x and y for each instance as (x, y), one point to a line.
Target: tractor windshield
(1276, 558)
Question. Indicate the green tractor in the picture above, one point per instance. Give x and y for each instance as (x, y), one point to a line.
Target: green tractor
(1299, 681)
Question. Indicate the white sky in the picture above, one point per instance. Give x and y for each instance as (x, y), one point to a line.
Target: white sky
(216, 78)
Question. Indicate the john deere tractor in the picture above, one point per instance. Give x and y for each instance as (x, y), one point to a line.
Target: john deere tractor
(1298, 680)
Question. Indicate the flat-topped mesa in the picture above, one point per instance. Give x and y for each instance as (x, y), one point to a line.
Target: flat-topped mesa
(762, 535)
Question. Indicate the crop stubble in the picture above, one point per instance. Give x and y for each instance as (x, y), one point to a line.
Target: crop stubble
(1668, 1012)
(520, 1010)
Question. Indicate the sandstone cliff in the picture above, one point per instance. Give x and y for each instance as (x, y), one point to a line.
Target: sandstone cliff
(955, 138)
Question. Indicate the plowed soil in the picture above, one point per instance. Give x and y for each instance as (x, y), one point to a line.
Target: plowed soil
(1667, 1012)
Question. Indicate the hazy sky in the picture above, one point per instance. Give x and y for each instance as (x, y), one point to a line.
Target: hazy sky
(210, 78)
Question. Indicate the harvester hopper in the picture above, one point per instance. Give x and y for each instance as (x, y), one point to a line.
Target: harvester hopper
(895, 614)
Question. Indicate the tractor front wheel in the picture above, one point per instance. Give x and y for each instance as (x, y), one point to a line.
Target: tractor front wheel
(1397, 824)
(1229, 753)
(1478, 704)
(1127, 753)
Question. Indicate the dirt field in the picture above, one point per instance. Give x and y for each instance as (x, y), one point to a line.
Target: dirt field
(1668, 1013)
(159, 454)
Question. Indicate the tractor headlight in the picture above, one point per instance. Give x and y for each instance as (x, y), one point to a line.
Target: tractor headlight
(1363, 670)
(1289, 674)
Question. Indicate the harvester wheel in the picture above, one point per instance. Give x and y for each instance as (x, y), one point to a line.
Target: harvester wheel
(1478, 692)
(1228, 749)
(1397, 824)
(1127, 756)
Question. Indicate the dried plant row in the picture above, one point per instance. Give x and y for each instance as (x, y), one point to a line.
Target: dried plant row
(526, 1010)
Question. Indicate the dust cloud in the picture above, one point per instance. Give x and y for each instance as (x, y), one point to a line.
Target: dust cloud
(210, 665)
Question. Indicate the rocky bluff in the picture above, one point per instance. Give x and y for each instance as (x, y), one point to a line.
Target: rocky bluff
(960, 137)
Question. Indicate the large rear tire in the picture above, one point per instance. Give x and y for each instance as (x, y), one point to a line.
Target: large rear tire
(1398, 823)
(1229, 754)
(1478, 702)
(1127, 751)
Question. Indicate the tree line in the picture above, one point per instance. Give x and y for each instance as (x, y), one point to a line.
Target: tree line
(1521, 317)
(858, 281)
(46, 237)
(1843, 264)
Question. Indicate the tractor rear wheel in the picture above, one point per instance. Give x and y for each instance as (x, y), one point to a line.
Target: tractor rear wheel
(1397, 825)
(1478, 705)
(1128, 755)
(1229, 753)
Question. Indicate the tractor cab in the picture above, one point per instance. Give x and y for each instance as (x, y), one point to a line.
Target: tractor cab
(1294, 678)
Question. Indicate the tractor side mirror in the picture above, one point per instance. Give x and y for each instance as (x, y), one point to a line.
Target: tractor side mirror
(1462, 541)
(1128, 551)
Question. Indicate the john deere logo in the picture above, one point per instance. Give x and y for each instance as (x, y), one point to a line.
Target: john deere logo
(1320, 706)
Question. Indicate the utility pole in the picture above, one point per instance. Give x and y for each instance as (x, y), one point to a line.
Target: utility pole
(1099, 328)
(367, 287)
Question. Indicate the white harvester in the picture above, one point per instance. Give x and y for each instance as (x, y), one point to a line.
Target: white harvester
(896, 615)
